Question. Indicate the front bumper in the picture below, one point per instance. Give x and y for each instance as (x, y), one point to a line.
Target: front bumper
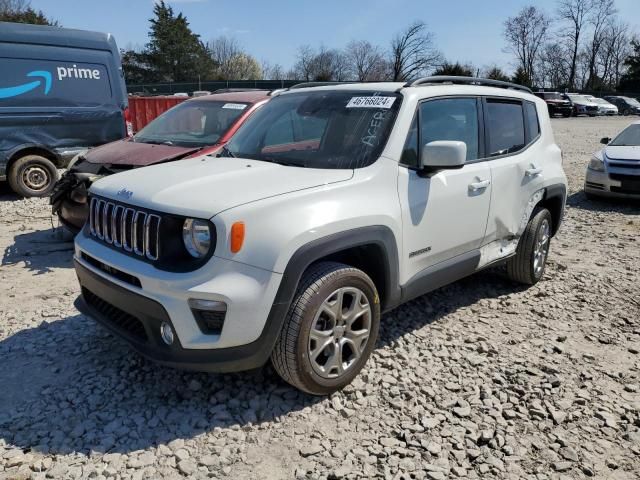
(139, 320)
(133, 298)
(613, 186)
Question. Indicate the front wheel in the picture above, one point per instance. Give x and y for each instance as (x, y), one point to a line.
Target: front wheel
(33, 176)
(528, 264)
(330, 329)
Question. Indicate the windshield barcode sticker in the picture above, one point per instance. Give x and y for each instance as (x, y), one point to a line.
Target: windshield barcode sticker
(371, 102)
(234, 106)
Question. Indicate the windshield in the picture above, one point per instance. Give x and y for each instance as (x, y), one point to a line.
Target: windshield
(580, 98)
(630, 137)
(320, 129)
(632, 101)
(192, 124)
(553, 96)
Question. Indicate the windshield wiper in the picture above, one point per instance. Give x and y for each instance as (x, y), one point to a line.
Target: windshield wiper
(225, 152)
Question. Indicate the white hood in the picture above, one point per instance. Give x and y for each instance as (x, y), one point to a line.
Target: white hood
(622, 153)
(205, 186)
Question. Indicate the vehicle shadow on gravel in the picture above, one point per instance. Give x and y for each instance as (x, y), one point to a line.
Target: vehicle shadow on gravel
(430, 308)
(69, 386)
(41, 250)
(626, 206)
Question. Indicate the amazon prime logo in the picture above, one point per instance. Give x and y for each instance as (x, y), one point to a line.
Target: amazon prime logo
(125, 193)
(45, 81)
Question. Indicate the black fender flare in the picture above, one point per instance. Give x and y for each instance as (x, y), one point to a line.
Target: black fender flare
(378, 235)
(556, 193)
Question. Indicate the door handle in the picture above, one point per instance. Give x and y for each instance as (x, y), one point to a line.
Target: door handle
(475, 186)
(533, 172)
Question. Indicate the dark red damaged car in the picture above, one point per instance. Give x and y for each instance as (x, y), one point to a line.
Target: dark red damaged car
(200, 126)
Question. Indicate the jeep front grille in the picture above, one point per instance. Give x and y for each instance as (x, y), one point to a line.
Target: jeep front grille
(134, 231)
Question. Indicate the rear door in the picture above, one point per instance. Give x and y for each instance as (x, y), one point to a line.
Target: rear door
(444, 215)
(517, 163)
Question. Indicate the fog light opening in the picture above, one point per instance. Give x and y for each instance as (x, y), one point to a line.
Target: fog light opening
(166, 332)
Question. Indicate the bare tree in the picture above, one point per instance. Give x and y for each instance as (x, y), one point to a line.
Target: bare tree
(272, 72)
(222, 50)
(555, 66)
(615, 49)
(600, 19)
(413, 51)
(525, 35)
(575, 13)
(366, 61)
(304, 65)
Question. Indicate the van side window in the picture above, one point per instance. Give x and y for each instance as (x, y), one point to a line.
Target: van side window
(505, 121)
(410, 151)
(450, 119)
(533, 126)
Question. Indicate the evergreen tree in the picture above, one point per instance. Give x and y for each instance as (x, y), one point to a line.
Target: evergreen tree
(175, 53)
(19, 11)
(455, 69)
(631, 80)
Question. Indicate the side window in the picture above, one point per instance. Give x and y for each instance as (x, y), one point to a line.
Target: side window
(450, 119)
(410, 151)
(533, 125)
(505, 121)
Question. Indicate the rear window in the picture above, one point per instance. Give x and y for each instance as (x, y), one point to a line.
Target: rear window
(195, 123)
(46, 83)
(505, 121)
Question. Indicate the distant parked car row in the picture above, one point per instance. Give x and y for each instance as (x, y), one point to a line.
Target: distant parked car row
(574, 104)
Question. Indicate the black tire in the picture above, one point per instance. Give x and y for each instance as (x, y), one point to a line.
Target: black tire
(626, 112)
(291, 356)
(33, 176)
(521, 267)
(566, 115)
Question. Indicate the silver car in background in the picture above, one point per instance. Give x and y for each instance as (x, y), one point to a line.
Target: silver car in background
(604, 107)
(614, 171)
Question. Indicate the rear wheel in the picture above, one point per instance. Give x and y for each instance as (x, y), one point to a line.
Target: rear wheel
(528, 265)
(33, 176)
(330, 330)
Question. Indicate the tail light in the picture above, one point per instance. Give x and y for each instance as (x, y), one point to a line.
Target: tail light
(127, 122)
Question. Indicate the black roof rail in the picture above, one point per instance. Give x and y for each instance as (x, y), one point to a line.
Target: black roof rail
(485, 82)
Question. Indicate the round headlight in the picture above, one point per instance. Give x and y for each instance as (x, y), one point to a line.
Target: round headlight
(596, 164)
(196, 235)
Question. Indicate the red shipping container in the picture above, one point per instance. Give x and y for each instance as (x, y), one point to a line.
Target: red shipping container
(144, 109)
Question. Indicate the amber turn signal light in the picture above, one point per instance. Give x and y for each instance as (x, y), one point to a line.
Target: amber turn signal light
(237, 236)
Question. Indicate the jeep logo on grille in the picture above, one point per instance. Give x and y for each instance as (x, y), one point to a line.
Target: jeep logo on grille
(125, 193)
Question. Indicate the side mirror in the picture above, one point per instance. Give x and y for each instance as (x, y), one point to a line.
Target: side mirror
(605, 140)
(443, 155)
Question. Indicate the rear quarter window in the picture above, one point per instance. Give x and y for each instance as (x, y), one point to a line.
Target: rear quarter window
(532, 123)
(47, 83)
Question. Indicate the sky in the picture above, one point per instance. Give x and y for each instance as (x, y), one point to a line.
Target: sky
(273, 30)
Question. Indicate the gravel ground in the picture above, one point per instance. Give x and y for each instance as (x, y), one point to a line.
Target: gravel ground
(481, 379)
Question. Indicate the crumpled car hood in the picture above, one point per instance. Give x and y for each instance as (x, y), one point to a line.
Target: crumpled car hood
(205, 186)
(126, 152)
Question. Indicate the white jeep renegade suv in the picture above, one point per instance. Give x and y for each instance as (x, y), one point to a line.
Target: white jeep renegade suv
(330, 206)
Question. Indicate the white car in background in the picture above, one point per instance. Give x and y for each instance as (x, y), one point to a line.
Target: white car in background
(582, 105)
(614, 171)
(604, 107)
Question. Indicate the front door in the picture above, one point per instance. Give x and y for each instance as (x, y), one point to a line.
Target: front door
(444, 215)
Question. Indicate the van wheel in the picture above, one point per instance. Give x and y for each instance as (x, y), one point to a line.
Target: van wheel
(33, 176)
(330, 329)
(528, 264)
